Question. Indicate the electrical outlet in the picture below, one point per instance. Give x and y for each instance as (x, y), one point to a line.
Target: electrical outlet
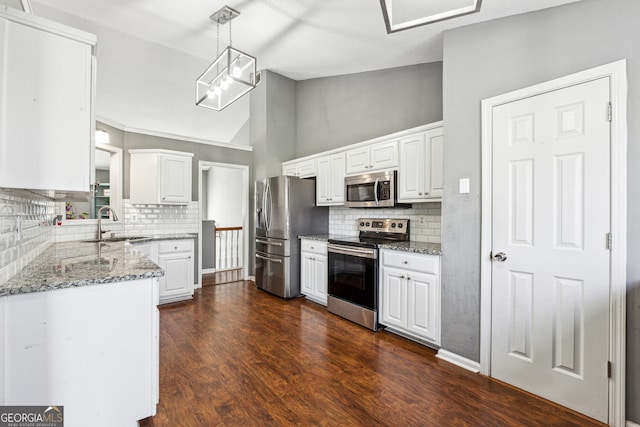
(134, 218)
(422, 219)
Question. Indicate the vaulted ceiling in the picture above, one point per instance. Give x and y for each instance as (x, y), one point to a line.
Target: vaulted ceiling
(300, 39)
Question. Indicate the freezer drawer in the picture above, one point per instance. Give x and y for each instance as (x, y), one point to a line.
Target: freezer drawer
(273, 274)
(273, 246)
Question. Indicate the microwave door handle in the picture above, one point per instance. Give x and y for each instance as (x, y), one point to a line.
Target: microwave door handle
(375, 190)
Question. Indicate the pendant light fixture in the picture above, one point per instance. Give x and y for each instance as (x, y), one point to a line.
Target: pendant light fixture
(231, 75)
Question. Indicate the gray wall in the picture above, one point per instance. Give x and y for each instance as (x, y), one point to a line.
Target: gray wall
(336, 111)
(492, 58)
(272, 123)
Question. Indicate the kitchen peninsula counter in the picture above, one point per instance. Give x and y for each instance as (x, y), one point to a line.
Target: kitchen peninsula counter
(78, 264)
(76, 324)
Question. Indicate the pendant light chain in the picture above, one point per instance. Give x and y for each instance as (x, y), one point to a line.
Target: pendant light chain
(217, 38)
(230, 44)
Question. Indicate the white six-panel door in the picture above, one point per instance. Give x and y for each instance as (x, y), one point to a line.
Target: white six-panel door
(551, 266)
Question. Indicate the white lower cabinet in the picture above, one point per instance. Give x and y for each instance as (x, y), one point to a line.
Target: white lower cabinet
(176, 258)
(313, 271)
(93, 349)
(410, 295)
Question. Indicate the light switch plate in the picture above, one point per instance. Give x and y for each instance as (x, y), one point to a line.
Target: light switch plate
(463, 186)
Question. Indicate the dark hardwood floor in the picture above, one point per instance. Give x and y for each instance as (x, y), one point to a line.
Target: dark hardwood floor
(236, 356)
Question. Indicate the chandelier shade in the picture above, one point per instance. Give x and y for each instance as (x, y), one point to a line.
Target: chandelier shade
(230, 76)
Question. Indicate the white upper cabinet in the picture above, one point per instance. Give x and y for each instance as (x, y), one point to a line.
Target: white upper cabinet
(301, 169)
(160, 177)
(369, 158)
(46, 119)
(420, 171)
(330, 180)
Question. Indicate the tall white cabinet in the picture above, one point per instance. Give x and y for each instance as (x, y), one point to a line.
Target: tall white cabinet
(420, 171)
(46, 104)
(330, 180)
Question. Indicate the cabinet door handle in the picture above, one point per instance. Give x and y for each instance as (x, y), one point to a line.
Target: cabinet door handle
(419, 194)
(402, 277)
(408, 278)
(405, 262)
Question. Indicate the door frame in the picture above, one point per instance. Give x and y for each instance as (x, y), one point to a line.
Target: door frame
(617, 72)
(205, 165)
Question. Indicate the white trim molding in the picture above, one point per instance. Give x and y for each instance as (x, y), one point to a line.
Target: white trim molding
(205, 165)
(617, 74)
(632, 424)
(458, 360)
(186, 138)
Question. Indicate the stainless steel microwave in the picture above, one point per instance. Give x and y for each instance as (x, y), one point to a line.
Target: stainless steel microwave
(372, 190)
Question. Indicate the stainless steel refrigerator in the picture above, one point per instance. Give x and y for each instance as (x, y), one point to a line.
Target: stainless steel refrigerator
(285, 209)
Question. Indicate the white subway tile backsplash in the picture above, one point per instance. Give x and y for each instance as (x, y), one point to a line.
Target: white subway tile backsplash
(343, 221)
(33, 213)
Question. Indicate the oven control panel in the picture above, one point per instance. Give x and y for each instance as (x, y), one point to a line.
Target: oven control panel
(399, 226)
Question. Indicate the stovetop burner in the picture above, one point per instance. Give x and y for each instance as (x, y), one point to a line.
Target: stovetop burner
(374, 232)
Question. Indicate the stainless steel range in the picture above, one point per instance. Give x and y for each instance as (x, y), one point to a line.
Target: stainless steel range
(353, 269)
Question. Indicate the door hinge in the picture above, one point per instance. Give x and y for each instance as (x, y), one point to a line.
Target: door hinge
(609, 241)
(608, 369)
(609, 111)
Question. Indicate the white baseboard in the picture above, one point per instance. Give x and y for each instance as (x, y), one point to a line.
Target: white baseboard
(632, 424)
(252, 278)
(458, 360)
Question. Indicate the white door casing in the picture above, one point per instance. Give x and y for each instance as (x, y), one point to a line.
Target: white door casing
(205, 165)
(567, 285)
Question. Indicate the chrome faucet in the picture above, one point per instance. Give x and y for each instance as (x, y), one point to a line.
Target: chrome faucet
(113, 216)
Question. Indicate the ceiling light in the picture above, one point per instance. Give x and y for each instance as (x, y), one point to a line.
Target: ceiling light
(404, 14)
(232, 71)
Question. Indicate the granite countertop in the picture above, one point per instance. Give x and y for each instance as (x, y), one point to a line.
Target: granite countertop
(411, 246)
(416, 247)
(154, 237)
(75, 264)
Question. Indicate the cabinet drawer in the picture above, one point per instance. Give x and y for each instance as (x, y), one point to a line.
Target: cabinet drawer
(411, 261)
(174, 246)
(314, 246)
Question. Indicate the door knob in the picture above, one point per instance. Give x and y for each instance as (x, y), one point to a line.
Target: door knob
(500, 257)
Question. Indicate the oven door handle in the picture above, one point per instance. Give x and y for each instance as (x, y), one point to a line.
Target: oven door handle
(361, 253)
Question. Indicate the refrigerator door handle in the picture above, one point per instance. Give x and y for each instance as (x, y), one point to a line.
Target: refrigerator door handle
(269, 259)
(264, 205)
(269, 206)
